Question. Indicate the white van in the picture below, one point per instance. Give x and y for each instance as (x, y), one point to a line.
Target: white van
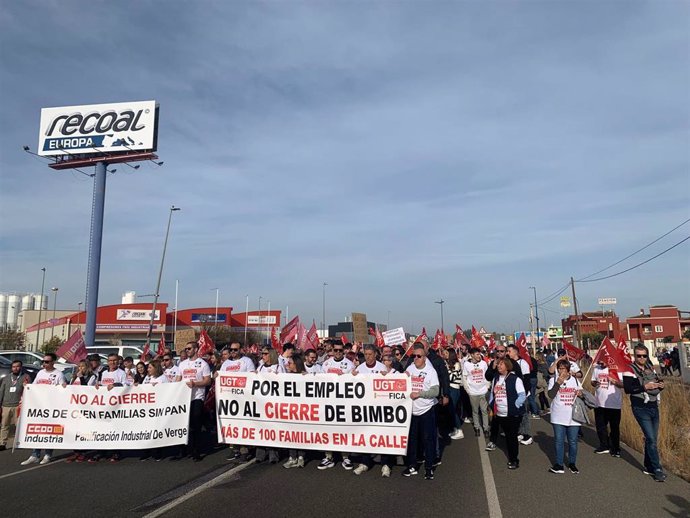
(121, 350)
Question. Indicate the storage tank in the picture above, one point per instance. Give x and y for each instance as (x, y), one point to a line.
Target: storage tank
(129, 297)
(40, 303)
(27, 302)
(3, 310)
(14, 306)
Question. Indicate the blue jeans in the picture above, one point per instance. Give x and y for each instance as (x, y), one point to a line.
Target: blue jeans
(454, 398)
(531, 400)
(37, 452)
(559, 434)
(648, 419)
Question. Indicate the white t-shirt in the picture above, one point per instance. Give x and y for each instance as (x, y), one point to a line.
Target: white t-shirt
(112, 377)
(562, 404)
(172, 373)
(475, 382)
(607, 394)
(243, 364)
(314, 369)
(129, 373)
(195, 370)
(276, 368)
(574, 367)
(54, 377)
(283, 361)
(524, 367)
(333, 366)
(160, 379)
(501, 396)
(422, 380)
(377, 368)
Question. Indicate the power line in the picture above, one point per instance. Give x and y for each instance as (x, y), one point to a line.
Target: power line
(634, 253)
(639, 264)
(555, 294)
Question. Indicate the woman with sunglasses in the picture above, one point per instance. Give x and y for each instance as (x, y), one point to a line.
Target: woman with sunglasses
(644, 387)
(295, 365)
(563, 392)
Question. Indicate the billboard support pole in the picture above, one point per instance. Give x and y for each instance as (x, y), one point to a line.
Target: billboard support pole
(95, 252)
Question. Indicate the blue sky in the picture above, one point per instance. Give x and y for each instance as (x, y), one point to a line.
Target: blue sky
(402, 152)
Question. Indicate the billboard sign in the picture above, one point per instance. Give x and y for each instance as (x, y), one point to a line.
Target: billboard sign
(260, 320)
(98, 128)
(137, 314)
(209, 318)
(607, 301)
(565, 302)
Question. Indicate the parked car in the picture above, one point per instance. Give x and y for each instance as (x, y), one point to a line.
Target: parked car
(34, 360)
(121, 350)
(6, 368)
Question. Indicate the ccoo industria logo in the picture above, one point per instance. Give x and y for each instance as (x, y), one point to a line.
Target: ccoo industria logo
(98, 128)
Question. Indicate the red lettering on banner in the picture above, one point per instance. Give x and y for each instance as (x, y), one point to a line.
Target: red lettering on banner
(388, 441)
(417, 383)
(233, 368)
(292, 411)
(45, 429)
(134, 398)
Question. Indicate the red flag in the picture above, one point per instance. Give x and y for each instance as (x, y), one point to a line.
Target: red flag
(477, 339)
(574, 353)
(460, 336)
(613, 358)
(205, 343)
(74, 348)
(377, 334)
(344, 339)
(312, 338)
(521, 344)
(289, 332)
(623, 346)
(161, 346)
(437, 340)
(545, 341)
(492, 344)
(275, 342)
(301, 337)
(146, 351)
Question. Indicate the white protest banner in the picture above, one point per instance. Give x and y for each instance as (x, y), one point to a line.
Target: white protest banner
(87, 418)
(394, 337)
(363, 413)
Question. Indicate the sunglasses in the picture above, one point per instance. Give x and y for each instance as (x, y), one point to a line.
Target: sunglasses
(338, 350)
(500, 350)
(47, 361)
(264, 352)
(418, 355)
(234, 350)
(641, 356)
(188, 348)
(167, 359)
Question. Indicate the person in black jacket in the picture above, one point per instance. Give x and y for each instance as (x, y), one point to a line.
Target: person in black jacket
(439, 365)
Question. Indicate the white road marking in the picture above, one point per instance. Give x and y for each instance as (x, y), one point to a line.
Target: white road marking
(214, 481)
(489, 483)
(31, 469)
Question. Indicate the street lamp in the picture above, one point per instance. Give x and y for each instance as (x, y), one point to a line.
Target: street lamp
(440, 302)
(536, 307)
(160, 274)
(217, 289)
(40, 308)
(52, 327)
(323, 323)
(79, 314)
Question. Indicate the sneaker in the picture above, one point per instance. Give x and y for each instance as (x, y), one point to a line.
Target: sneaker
(600, 451)
(520, 436)
(409, 472)
(616, 454)
(362, 468)
(468, 420)
(80, 458)
(93, 460)
(573, 468)
(385, 471)
(457, 434)
(527, 440)
(535, 416)
(144, 458)
(290, 463)
(234, 454)
(429, 474)
(490, 446)
(326, 463)
(45, 460)
(347, 464)
(513, 465)
(557, 468)
(545, 412)
(72, 458)
(31, 460)
(114, 458)
(300, 462)
(647, 471)
(660, 476)
(437, 462)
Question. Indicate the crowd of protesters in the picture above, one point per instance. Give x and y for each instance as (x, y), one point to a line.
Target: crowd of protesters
(497, 393)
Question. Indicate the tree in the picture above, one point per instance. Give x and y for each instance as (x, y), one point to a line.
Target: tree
(11, 339)
(592, 340)
(668, 339)
(686, 335)
(52, 345)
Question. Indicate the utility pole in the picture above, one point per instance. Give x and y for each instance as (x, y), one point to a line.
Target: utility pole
(576, 336)
(440, 302)
(536, 307)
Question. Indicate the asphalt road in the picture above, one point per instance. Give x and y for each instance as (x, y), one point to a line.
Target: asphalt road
(464, 484)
